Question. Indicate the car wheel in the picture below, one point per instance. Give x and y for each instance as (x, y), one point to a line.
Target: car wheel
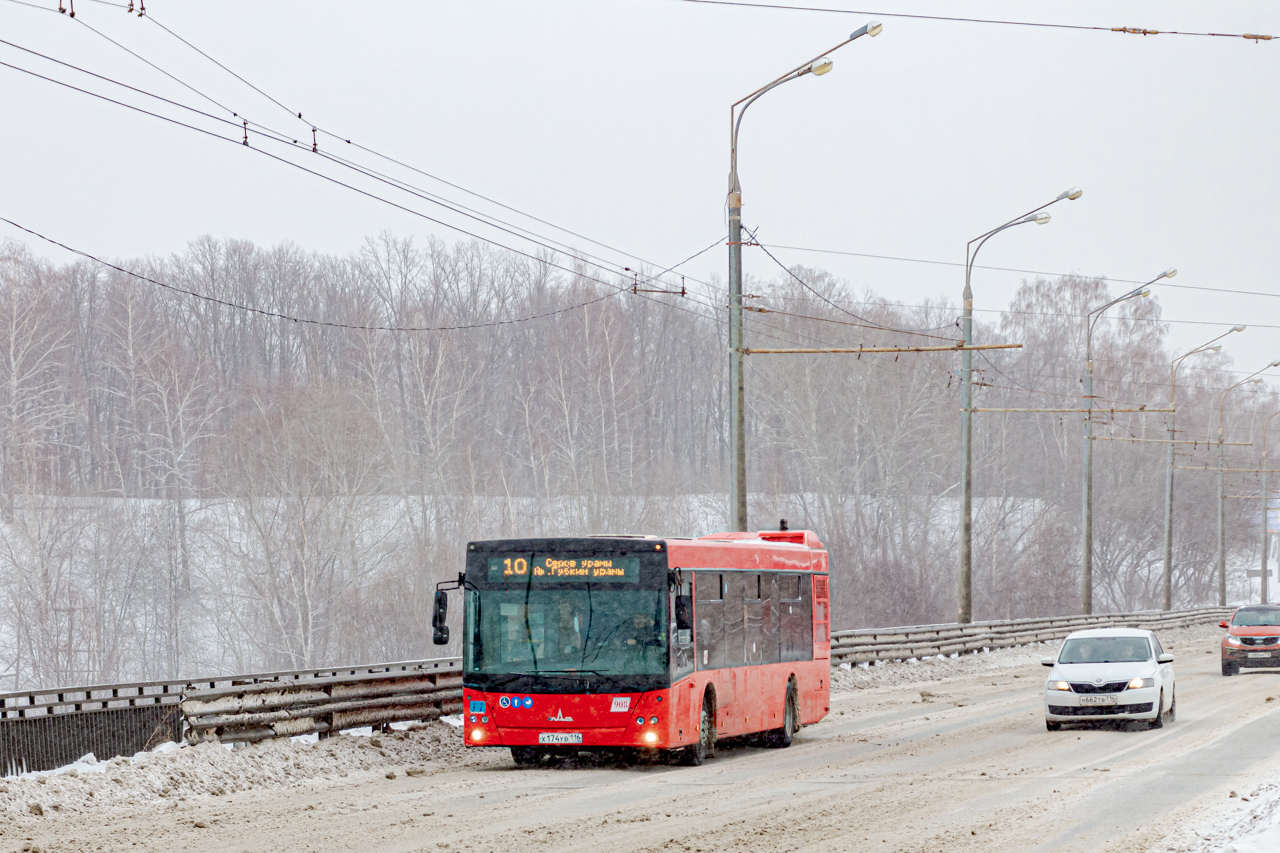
(1173, 706)
(781, 738)
(1158, 721)
(1053, 725)
(1230, 668)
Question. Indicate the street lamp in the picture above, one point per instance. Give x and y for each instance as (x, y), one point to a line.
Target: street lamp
(1086, 549)
(1266, 504)
(1166, 600)
(817, 66)
(1251, 379)
(965, 608)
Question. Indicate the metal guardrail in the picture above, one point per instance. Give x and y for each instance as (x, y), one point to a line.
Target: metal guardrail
(323, 703)
(43, 729)
(918, 641)
(48, 728)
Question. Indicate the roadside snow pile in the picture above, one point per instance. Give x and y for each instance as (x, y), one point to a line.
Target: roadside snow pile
(1251, 824)
(896, 673)
(213, 769)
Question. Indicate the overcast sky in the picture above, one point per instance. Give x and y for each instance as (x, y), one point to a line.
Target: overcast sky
(610, 118)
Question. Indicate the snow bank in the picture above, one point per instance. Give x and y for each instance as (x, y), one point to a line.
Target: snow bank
(212, 769)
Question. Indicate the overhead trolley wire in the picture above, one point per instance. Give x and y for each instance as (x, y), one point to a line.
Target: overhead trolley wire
(1143, 31)
(1027, 272)
(342, 138)
(404, 186)
(292, 318)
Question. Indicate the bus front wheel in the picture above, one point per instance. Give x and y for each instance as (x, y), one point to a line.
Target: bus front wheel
(700, 751)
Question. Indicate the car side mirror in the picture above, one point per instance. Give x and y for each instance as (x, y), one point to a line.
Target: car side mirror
(1222, 624)
(1165, 658)
(684, 612)
(439, 614)
(1047, 661)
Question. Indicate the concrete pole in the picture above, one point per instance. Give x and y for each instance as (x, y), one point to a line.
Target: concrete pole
(1086, 548)
(1166, 577)
(737, 385)
(1266, 560)
(1222, 528)
(965, 597)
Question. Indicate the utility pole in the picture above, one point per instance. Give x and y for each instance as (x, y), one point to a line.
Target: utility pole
(1266, 509)
(817, 66)
(1251, 379)
(1166, 579)
(1086, 549)
(964, 609)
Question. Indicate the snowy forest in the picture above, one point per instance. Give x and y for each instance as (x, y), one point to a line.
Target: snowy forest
(188, 487)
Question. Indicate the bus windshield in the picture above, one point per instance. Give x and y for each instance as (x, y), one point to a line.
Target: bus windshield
(533, 631)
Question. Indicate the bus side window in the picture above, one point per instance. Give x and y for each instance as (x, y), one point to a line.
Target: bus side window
(796, 618)
(709, 638)
(771, 605)
(753, 620)
(734, 619)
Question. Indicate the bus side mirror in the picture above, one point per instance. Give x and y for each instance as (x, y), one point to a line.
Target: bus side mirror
(439, 614)
(684, 612)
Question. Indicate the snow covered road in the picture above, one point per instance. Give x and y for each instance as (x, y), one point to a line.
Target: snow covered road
(932, 756)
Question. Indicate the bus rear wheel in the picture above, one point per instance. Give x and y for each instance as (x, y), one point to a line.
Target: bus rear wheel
(526, 756)
(780, 738)
(702, 750)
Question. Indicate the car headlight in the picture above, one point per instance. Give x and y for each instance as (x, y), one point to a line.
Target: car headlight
(1233, 641)
(1057, 685)
(1139, 683)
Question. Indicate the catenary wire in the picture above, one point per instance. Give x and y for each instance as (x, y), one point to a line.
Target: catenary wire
(403, 185)
(964, 20)
(291, 318)
(151, 17)
(1026, 272)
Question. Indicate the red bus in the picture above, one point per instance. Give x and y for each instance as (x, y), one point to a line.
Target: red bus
(644, 643)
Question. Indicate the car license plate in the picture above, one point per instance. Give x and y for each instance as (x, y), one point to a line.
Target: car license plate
(1259, 654)
(1106, 699)
(560, 737)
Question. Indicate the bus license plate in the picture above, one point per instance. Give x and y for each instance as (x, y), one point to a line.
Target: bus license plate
(560, 737)
(1108, 699)
(1259, 654)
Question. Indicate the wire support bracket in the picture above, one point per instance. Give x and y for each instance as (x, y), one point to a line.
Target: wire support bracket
(1206, 444)
(1097, 409)
(836, 350)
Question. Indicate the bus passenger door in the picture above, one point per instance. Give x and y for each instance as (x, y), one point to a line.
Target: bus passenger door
(681, 632)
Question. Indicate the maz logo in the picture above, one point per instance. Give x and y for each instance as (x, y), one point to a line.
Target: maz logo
(559, 717)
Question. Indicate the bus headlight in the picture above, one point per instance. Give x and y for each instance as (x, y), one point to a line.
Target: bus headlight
(650, 737)
(476, 734)
(653, 721)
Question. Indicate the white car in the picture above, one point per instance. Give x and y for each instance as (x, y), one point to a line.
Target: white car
(1109, 674)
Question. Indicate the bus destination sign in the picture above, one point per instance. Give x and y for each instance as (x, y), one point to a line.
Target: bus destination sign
(564, 569)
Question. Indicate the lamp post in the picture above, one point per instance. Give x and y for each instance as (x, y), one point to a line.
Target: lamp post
(965, 604)
(1086, 549)
(817, 66)
(1166, 597)
(1251, 379)
(1266, 503)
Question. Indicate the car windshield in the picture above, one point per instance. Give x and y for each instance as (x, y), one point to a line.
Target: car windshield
(559, 631)
(1105, 650)
(1251, 618)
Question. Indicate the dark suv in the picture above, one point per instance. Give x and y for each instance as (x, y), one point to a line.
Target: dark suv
(1252, 639)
